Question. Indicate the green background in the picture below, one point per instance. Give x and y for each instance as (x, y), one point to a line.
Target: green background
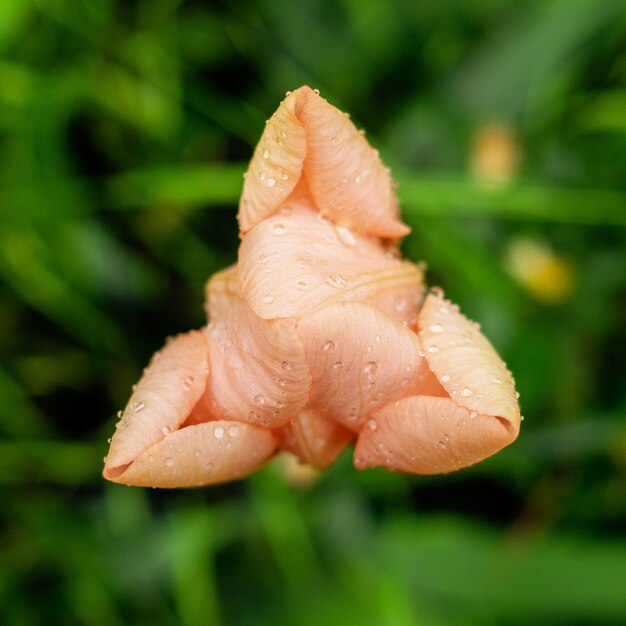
(124, 130)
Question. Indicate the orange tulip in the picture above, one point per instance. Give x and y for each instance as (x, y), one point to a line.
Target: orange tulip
(319, 335)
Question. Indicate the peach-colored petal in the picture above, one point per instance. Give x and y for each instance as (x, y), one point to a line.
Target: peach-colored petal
(203, 454)
(307, 137)
(258, 369)
(346, 177)
(426, 435)
(296, 262)
(465, 362)
(162, 400)
(313, 438)
(276, 166)
(360, 360)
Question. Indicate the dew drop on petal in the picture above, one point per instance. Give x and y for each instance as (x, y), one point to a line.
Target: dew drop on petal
(442, 444)
(121, 425)
(445, 378)
(345, 235)
(266, 154)
(169, 461)
(259, 399)
(329, 345)
(197, 453)
(301, 285)
(517, 395)
(370, 367)
(436, 328)
(120, 413)
(372, 424)
(186, 382)
(437, 292)
(467, 392)
(268, 299)
(496, 380)
(286, 365)
(233, 431)
(218, 432)
(165, 430)
(136, 406)
(433, 349)
(338, 365)
(316, 92)
(473, 414)
(271, 182)
(279, 229)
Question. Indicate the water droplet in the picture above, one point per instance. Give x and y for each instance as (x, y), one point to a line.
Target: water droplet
(186, 382)
(496, 380)
(329, 345)
(266, 154)
(109, 440)
(370, 368)
(516, 395)
(338, 365)
(301, 285)
(466, 392)
(218, 432)
(445, 378)
(165, 430)
(286, 365)
(316, 92)
(233, 431)
(437, 292)
(279, 229)
(268, 299)
(521, 418)
(283, 134)
(136, 406)
(262, 176)
(436, 328)
(120, 413)
(169, 461)
(444, 310)
(150, 458)
(473, 414)
(121, 425)
(271, 182)
(259, 399)
(345, 235)
(372, 424)
(442, 444)
(335, 281)
(197, 453)
(405, 382)
(263, 258)
(433, 349)
(400, 305)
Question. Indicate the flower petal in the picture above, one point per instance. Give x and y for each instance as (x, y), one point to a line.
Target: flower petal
(276, 166)
(296, 262)
(307, 137)
(162, 400)
(198, 455)
(465, 362)
(258, 368)
(360, 360)
(426, 435)
(315, 439)
(347, 179)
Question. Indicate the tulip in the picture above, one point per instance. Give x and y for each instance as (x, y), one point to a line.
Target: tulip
(321, 335)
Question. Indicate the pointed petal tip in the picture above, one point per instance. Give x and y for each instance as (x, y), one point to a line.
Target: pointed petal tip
(427, 435)
(198, 455)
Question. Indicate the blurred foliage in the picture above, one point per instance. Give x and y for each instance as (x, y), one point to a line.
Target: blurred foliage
(124, 131)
